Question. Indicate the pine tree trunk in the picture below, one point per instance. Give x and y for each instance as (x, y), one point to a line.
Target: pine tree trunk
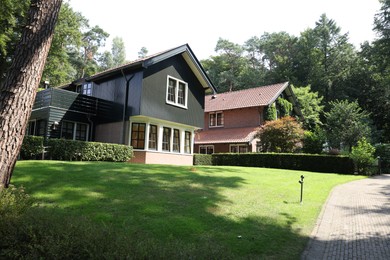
(18, 92)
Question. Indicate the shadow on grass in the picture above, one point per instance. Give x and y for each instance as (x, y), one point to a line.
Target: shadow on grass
(171, 205)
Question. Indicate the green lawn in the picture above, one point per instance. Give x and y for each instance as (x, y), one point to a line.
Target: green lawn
(187, 212)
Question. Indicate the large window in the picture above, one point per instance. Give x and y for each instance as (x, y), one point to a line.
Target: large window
(216, 119)
(176, 140)
(74, 131)
(138, 136)
(206, 149)
(67, 130)
(187, 142)
(36, 127)
(153, 137)
(238, 148)
(177, 92)
(166, 141)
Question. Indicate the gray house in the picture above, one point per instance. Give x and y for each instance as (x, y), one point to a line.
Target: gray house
(153, 104)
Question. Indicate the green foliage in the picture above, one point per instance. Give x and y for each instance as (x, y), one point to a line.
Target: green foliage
(281, 135)
(62, 149)
(270, 112)
(14, 202)
(285, 107)
(313, 142)
(346, 124)
(304, 162)
(310, 104)
(383, 151)
(363, 156)
(12, 17)
(32, 147)
(203, 159)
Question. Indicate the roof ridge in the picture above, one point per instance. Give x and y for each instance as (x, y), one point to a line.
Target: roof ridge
(247, 89)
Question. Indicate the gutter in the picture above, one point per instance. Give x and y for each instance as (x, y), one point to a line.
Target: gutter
(125, 105)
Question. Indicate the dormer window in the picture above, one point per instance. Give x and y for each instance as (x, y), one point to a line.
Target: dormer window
(87, 89)
(177, 92)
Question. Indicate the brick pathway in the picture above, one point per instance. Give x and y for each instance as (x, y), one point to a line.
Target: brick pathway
(354, 223)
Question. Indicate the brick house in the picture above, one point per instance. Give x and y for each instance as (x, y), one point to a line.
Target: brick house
(232, 119)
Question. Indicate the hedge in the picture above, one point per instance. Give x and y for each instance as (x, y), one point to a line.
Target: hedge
(383, 151)
(304, 162)
(203, 159)
(61, 149)
(32, 147)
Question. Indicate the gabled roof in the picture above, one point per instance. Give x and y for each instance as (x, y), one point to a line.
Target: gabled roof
(147, 61)
(253, 97)
(226, 135)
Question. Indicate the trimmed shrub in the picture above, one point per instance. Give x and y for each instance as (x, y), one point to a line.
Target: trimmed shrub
(203, 159)
(62, 149)
(304, 162)
(32, 147)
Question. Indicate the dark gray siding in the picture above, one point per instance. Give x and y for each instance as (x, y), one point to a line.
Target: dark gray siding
(154, 93)
(114, 89)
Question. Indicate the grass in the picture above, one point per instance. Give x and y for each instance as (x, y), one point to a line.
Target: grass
(185, 212)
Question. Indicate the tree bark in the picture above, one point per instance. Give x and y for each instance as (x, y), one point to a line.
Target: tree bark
(18, 92)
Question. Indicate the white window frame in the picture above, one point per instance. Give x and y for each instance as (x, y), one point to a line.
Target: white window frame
(176, 102)
(207, 147)
(216, 119)
(238, 147)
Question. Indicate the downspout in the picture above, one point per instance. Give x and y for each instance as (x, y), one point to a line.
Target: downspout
(125, 105)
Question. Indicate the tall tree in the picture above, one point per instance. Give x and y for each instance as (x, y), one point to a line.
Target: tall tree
(19, 89)
(346, 123)
(143, 52)
(12, 17)
(327, 57)
(310, 104)
(118, 51)
(67, 37)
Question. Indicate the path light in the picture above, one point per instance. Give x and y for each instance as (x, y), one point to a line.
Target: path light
(301, 182)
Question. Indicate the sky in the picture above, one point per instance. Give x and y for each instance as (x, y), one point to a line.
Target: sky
(159, 25)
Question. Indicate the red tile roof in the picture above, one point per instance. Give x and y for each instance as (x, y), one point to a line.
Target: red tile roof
(226, 135)
(260, 96)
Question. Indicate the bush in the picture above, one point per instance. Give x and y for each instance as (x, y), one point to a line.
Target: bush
(313, 142)
(61, 149)
(282, 135)
(304, 162)
(32, 147)
(203, 159)
(383, 151)
(363, 156)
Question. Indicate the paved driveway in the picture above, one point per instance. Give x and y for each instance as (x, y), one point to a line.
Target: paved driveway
(354, 223)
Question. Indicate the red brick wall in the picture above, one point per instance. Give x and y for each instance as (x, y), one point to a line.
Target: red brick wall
(243, 117)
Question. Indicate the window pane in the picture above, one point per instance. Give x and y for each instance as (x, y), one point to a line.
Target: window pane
(212, 119)
(202, 150)
(138, 135)
(153, 137)
(176, 140)
(31, 128)
(210, 149)
(172, 90)
(181, 94)
(166, 142)
(81, 132)
(219, 119)
(187, 143)
(67, 130)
